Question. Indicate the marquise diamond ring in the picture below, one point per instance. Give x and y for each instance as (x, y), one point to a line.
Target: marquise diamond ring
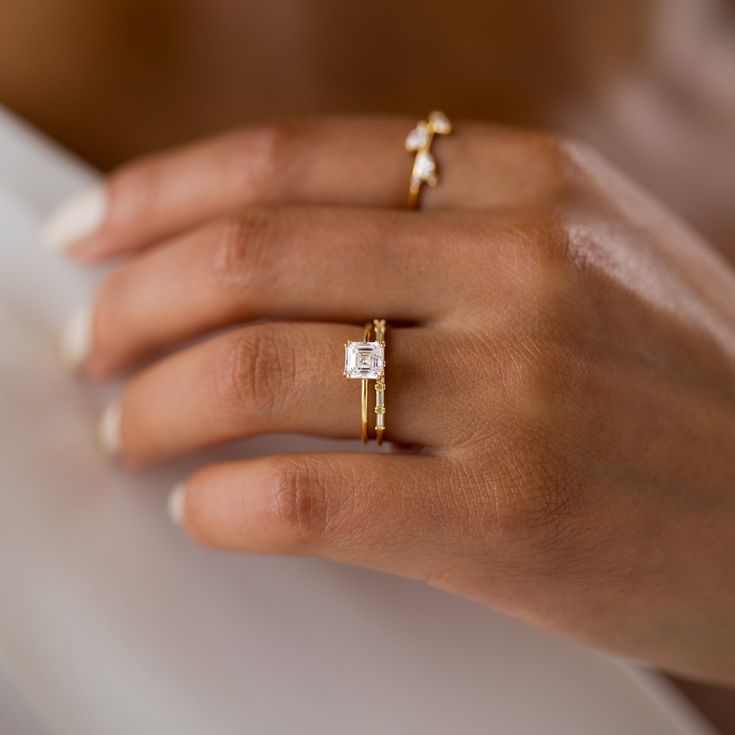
(418, 141)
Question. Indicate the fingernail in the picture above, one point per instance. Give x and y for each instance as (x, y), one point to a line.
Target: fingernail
(175, 505)
(108, 430)
(76, 218)
(76, 338)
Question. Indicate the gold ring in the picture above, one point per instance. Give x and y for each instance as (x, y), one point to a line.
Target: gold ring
(366, 361)
(379, 325)
(419, 141)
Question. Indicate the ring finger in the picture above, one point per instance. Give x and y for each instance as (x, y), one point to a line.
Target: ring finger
(269, 378)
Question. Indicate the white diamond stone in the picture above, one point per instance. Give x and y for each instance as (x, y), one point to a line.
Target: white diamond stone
(364, 359)
(424, 166)
(418, 137)
(440, 122)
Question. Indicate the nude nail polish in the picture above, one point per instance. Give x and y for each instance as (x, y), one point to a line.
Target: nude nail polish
(76, 338)
(108, 430)
(74, 219)
(175, 505)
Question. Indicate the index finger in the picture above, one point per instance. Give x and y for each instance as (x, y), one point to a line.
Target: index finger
(329, 161)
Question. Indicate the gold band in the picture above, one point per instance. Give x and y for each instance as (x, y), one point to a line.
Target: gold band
(379, 325)
(419, 141)
(364, 393)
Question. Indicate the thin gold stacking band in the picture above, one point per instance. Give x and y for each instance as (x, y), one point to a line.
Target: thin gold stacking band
(379, 325)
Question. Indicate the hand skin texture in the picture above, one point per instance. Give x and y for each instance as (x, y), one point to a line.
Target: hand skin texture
(563, 372)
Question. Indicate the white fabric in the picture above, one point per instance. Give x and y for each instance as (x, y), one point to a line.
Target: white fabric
(112, 622)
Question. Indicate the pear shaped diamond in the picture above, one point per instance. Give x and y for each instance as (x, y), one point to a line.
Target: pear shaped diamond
(424, 168)
(419, 141)
(418, 137)
(440, 122)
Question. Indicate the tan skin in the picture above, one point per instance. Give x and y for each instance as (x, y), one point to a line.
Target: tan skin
(118, 78)
(577, 473)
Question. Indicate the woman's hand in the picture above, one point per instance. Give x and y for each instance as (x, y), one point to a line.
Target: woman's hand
(565, 370)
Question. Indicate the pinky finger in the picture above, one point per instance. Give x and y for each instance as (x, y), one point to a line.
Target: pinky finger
(372, 510)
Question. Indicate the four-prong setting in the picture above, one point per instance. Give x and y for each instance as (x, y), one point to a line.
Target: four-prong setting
(364, 360)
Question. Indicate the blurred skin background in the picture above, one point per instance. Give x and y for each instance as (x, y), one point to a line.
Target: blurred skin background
(650, 83)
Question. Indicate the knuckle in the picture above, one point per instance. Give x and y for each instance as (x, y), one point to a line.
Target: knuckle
(536, 497)
(533, 488)
(136, 189)
(536, 355)
(575, 153)
(550, 281)
(242, 244)
(301, 509)
(558, 149)
(544, 236)
(578, 167)
(258, 371)
(560, 158)
(271, 156)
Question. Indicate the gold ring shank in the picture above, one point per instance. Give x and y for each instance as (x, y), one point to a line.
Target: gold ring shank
(414, 194)
(365, 393)
(380, 385)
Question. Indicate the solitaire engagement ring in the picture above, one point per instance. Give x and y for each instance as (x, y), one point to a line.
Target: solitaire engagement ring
(366, 361)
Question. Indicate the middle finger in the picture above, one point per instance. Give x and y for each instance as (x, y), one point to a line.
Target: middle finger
(285, 264)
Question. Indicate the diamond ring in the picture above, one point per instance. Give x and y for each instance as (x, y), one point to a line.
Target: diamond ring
(365, 361)
(419, 141)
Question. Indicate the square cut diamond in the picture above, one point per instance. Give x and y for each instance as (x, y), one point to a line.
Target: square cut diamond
(364, 359)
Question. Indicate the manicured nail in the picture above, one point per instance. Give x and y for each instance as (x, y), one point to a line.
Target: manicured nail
(76, 218)
(175, 505)
(76, 338)
(108, 430)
